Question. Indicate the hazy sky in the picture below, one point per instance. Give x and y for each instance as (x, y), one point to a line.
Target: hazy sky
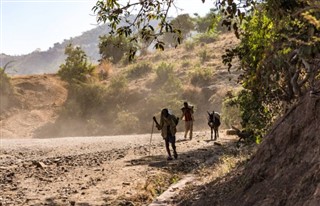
(27, 25)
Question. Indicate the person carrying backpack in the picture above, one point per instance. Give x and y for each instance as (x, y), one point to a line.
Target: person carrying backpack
(187, 116)
(167, 125)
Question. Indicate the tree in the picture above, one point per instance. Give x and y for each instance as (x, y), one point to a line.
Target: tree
(113, 48)
(76, 68)
(5, 85)
(211, 21)
(279, 50)
(185, 24)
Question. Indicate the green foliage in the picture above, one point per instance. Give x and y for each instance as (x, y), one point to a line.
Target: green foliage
(200, 76)
(84, 100)
(255, 116)
(112, 12)
(118, 85)
(185, 24)
(231, 112)
(114, 48)
(140, 69)
(76, 67)
(210, 22)
(276, 53)
(5, 85)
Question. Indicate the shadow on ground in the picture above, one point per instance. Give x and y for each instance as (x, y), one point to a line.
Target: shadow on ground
(187, 162)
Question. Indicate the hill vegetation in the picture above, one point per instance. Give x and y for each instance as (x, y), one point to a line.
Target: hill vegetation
(276, 60)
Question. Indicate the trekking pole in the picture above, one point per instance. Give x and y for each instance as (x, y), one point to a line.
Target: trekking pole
(151, 137)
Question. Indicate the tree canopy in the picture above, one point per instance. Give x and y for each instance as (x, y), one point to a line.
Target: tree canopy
(279, 49)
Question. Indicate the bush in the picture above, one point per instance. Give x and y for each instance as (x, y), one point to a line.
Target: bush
(200, 76)
(185, 63)
(189, 45)
(140, 69)
(163, 71)
(104, 70)
(207, 37)
(118, 85)
(203, 54)
(85, 99)
(76, 68)
(231, 113)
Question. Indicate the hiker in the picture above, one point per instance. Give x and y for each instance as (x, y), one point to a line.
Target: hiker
(214, 123)
(167, 125)
(187, 116)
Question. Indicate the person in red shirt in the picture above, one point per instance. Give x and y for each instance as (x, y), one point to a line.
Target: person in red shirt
(187, 116)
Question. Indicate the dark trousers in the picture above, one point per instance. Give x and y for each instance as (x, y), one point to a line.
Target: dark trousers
(172, 140)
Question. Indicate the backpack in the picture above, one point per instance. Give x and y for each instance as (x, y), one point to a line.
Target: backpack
(175, 119)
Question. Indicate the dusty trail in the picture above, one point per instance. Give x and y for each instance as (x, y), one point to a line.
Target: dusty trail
(111, 170)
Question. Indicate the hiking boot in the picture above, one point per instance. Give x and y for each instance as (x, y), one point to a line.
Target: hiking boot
(169, 158)
(175, 155)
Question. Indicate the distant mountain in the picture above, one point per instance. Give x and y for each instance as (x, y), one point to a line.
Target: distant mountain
(39, 62)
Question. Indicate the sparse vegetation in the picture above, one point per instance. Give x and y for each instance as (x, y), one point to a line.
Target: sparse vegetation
(208, 37)
(163, 71)
(139, 69)
(118, 85)
(76, 68)
(200, 76)
(189, 45)
(203, 55)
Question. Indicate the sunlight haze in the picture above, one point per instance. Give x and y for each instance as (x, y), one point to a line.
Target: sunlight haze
(27, 26)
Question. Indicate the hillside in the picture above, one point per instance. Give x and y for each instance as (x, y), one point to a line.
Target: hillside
(285, 170)
(140, 99)
(47, 62)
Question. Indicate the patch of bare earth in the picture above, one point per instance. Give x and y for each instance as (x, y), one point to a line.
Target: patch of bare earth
(39, 97)
(114, 170)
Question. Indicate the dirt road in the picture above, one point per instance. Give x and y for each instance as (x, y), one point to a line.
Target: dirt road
(109, 170)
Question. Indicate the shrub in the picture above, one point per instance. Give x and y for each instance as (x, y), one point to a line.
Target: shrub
(163, 71)
(104, 70)
(76, 67)
(200, 76)
(185, 63)
(140, 69)
(231, 113)
(203, 54)
(207, 37)
(189, 45)
(118, 85)
(84, 99)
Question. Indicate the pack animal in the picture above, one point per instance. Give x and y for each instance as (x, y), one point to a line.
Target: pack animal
(214, 123)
